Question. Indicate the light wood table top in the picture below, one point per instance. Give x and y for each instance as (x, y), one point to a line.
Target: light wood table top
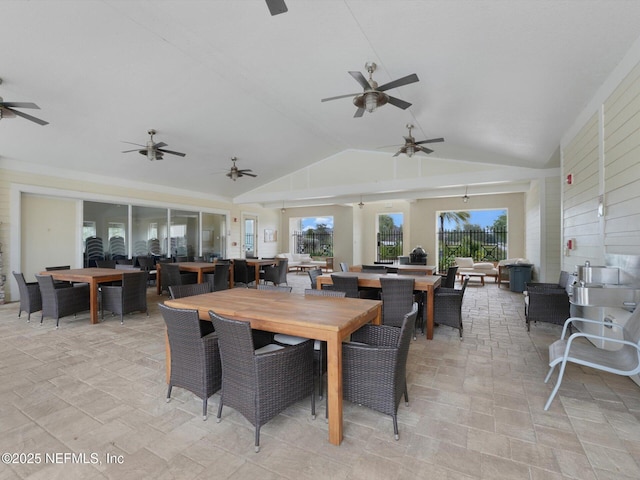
(322, 318)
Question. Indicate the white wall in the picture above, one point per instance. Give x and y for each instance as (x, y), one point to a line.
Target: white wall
(603, 157)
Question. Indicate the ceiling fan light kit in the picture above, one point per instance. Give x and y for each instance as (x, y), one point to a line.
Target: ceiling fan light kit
(153, 151)
(7, 110)
(236, 173)
(373, 96)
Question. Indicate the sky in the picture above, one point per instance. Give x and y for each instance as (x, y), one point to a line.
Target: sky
(311, 222)
(484, 218)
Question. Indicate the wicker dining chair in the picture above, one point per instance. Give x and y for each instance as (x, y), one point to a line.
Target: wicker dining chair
(219, 279)
(374, 374)
(129, 297)
(260, 384)
(30, 298)
(276, 288)
(195, 358)
(277, 274)
(447, 306)
(243, 273)
(171, 275)
(60, 302)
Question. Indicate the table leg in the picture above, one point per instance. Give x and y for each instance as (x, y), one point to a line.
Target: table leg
(158, 279)
(334, 389)
(429, 308)
(167, 350)
(93, 300)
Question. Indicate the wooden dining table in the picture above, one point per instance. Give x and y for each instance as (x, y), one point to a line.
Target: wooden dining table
(92, 276)
(198, 267)
(423, 283)
(329, 319)
(258, 263)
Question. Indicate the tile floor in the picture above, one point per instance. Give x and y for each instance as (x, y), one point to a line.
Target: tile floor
(475, 412)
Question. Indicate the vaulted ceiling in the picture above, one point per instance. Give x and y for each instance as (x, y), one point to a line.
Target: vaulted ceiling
(500, 80)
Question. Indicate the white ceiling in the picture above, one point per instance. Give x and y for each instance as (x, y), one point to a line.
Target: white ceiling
(500, 80)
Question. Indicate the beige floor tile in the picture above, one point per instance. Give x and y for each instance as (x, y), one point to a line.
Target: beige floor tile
(476, 408)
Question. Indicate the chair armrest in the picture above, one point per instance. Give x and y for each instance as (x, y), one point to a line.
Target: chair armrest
(599, 337)
(571, 320)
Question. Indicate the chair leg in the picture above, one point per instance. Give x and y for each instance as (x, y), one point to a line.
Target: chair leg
(395, 426)
(406, 394)
(204, 409)
(557, 387)
(257, 439)
(219, 416)
(169, 393)
(313, 404)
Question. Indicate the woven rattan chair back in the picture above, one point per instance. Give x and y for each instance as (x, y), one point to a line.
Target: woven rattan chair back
(324, 293)
(219, 280)
(180, 291)
(314, 273)
(170, 275)
(347, 284)
(450, 280)
(397, 299)
(276, 288)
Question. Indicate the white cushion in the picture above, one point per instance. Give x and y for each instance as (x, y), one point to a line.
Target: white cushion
(483, 266)
(293, 340)
(272, 347)
(464, 262)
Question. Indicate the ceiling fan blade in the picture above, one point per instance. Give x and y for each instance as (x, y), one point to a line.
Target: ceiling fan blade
(249, 174)
(339, 96)
(399, 82)
(398, 153)
(433, 140)
(361, 80)
(131, 143)
(128, 151)
(424, 149)
(160, 145)
(180, 154)
(28, 117)
(244, 170)
(20, 105)
(359, 113)
(276, 7)
(399, 103)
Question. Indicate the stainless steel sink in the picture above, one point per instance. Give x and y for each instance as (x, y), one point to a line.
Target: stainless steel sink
(604, 295)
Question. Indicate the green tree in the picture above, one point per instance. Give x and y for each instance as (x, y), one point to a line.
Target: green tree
(322, 228)
(385, 223)
(500, 223)
(460, 218)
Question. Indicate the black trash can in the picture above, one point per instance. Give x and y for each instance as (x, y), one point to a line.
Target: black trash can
(519, 275)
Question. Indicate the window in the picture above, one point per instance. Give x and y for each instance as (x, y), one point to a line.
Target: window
(314, 236)
(390, 236)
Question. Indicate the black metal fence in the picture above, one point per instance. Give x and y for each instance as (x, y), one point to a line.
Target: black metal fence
(389, 246)
(313, 243)
(488, 245)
